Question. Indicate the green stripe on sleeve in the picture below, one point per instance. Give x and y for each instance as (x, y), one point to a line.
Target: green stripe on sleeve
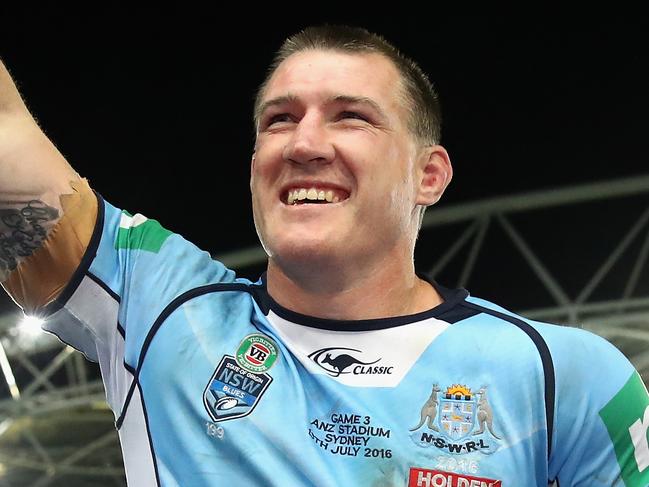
(626, 417)
(148, 235)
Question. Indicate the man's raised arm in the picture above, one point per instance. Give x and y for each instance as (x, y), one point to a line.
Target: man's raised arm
(46, 210)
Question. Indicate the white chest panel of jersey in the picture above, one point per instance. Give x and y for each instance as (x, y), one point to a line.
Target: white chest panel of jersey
(373, 358)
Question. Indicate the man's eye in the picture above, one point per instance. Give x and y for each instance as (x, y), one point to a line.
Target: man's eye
(355, 115)
(280, 117)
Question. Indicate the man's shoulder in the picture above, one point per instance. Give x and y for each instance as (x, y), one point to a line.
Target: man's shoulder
(579, 362)
(136, 234)
(139, 260)
(568, 339)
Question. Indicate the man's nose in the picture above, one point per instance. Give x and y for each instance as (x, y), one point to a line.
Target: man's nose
(310, 142)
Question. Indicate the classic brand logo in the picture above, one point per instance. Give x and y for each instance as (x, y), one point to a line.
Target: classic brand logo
(338, 360)
(421, 477)
(257, 353)
(455, 415)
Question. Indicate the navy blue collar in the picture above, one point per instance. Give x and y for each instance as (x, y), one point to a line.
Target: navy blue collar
(447, 311)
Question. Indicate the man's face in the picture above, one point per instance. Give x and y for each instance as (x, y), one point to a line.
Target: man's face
(335, 172)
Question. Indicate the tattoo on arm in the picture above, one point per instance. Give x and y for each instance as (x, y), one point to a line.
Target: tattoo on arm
(23, 229)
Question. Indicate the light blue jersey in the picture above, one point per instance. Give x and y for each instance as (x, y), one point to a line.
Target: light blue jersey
(214, 384)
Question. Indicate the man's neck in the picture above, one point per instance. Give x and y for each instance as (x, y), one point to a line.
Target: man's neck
(328, 292)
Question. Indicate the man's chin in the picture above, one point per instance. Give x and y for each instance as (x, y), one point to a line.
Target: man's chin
(311, 252)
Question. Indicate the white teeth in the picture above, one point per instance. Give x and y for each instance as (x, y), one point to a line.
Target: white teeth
(311, 194)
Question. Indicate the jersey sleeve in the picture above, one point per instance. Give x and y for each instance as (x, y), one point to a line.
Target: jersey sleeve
(602, 414)
(132, 269)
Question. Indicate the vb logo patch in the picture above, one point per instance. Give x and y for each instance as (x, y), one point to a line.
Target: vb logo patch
(457, 420)
(257, 353)
(239, 381)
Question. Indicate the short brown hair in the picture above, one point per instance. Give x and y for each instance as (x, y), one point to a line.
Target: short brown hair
(421, 98)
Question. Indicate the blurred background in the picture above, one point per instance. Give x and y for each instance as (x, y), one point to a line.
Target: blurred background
(544, 118)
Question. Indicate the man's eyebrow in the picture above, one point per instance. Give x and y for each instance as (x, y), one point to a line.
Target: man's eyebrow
(361, 100)
(280, 100)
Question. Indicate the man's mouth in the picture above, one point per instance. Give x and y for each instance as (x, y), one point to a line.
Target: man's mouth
(300, 196)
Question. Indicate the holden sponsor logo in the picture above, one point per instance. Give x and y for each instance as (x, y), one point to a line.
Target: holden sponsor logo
(337, 361)
(421, 477)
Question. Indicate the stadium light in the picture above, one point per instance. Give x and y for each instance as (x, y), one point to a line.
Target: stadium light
(30, 326)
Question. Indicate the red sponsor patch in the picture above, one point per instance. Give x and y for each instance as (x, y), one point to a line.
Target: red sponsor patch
(421, 477)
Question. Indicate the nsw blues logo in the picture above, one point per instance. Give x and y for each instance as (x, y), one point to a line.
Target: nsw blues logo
(234, 389)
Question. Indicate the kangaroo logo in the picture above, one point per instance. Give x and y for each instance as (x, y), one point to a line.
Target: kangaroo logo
(429, 410)
(485, 414)
(336, 361)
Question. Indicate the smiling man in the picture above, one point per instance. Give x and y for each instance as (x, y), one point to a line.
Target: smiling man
(335, 163)
(340, 366)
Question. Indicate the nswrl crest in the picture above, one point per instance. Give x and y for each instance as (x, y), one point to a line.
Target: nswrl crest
(457, 420)
(457, 414)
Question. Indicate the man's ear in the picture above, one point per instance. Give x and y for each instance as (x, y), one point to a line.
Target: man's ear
(252, 168)
(435, 172)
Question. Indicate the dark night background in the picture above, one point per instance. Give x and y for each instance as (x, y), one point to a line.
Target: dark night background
(156, 110)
